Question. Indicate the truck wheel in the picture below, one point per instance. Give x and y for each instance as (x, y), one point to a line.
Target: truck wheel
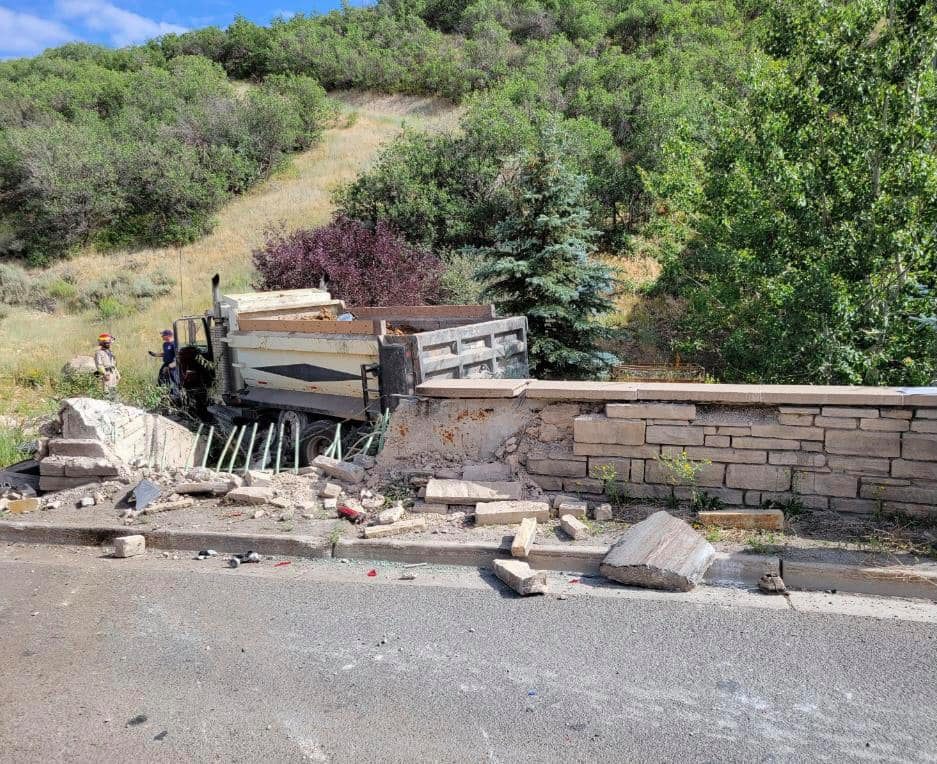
(317, 437)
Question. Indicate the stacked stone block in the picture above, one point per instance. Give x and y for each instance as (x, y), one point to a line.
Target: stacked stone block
(844, 458)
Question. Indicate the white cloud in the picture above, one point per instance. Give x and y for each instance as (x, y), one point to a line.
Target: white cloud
(22, 34)
(121, 27)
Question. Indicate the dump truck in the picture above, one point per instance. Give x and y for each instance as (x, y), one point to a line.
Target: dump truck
(303, 359)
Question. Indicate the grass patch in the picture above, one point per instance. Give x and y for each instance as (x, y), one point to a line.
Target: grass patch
(12, 440)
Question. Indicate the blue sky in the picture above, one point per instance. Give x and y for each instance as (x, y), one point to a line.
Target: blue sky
(29, 26)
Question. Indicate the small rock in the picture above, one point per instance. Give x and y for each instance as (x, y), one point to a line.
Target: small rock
(86, 501)
(408, 576)
(286, 516)
(53, 505)
(330, 503)
(257, 479)
(308, 516)
(519, 576)
(771, 583)
(258, 514)
(281, 503)
(250, 495)
(603, 512)
(129, 546)
(331, 491)
(390, 515)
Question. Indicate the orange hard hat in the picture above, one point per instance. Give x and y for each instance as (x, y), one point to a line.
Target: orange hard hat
(102, 338)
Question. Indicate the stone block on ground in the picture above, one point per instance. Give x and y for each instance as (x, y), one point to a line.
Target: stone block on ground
(510, 512)
(89, 447)
(470, 492)
(573, 527)
(395, 529)
(493, 471)
(350, 473)
(764, 519)
(520, 577)
(576, 508)
(603, 513)
(257, 479)
(212, 487)
(524, 538)
(390, 515)
(129, 546)
(661, 552)
(331, 491)
(250, 495)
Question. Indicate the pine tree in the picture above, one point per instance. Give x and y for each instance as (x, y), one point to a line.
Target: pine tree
(540, 267)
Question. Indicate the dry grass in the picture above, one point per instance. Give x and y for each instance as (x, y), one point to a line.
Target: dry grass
(38, 344)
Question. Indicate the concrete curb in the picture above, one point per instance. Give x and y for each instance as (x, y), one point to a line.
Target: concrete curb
(727, 570)
(165, 538)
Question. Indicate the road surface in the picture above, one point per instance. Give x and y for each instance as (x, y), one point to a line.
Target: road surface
(156, 659)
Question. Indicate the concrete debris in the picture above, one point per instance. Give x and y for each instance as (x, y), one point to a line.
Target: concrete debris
(403, 526)
(86, 501)
(250, 495)
(524, 538)
(576, 508)
(258, 514)
(373, 502)
(22, 506)
(519, 576)
(469, 492)
(660, 552)
(573, 527)
(256, 479)
(204, 554)
(286, 516)
(168, 506)
(215, 488)
(145, 493)
(346, 471)
(772, 583)
(390, 515)
(510, 512)
(129, 546)
(492, 471)
(764, 519)
(331, 491)
(602, 513)
(330, 503)
(281, 502)
(52, 505)
(84, 447)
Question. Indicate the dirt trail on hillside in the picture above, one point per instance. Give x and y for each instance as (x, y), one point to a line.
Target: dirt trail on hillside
(297, 196)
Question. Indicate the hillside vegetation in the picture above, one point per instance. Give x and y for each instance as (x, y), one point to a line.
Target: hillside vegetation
(774, 159)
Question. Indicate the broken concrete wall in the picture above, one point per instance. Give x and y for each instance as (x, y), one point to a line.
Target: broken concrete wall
(133, 435)
(845, 449)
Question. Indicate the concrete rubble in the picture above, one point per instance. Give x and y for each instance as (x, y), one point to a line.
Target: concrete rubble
(661, 552)
(519, 576)
(346, 471)
(129, 546)
(395, 529)
(510, 512)
(573, 527)
(470, 492)
(524, 538)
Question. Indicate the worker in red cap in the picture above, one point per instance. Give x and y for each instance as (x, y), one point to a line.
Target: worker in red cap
(168, 354)
(105, 365)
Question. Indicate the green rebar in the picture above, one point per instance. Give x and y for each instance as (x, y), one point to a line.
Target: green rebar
(211, 434)
(263, 463)
(191, 455)
(237, 447)
(295, 453)
(276, 470)
(224, 451)
(250, 448)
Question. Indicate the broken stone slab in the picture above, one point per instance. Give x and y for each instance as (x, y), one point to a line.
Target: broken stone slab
(129, 546)
(573, 527)
(257, 479)
(510, 512)
(520, 577)
(403, 526)
(350, 473)
(575, 508)
(764, 519)
(331, 491)
(166, 506)
(602, 513)
(493, 471)
(563, 499)
(470, 492)
(661, 552)
(390, 515)
(250, 495)
(87, 447)
(215, 487)
(281, 502)
(524, 538)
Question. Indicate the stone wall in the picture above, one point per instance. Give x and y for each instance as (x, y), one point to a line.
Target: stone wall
(845, 449)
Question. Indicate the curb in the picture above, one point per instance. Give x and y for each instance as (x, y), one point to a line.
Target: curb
(727, 570)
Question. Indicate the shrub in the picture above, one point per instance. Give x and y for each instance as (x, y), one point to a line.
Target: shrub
(359, 264)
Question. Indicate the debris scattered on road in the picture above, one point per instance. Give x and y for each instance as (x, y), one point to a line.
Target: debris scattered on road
(661, 552)
(145, 493)
(772, 583)
(408, 576)
(129, 546)
(520, 577)
(86, 501)
(204, 554)
(237, 559)
(395, 529)
(524, 538)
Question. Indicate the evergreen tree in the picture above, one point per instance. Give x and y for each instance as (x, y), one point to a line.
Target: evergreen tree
(539, 266)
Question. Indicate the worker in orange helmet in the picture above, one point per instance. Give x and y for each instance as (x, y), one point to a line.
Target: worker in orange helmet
(105, 365)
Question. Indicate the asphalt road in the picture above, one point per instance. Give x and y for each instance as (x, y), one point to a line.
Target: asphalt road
(158, 659)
